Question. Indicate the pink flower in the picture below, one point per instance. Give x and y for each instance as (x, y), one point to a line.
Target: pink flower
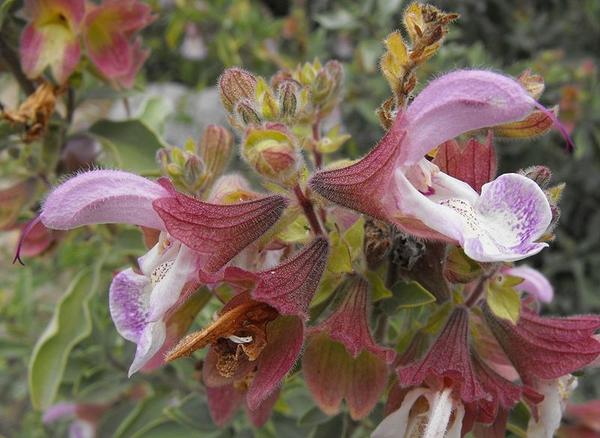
(109, 36)
(51, 39)
(395, 183)
(194, 235)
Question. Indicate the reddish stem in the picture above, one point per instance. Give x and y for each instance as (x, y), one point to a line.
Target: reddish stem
(309, 211)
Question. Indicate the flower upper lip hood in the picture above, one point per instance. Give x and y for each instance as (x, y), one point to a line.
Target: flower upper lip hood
(396, 183)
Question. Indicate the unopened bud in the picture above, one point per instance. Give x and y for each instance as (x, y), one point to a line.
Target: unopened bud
(272, 154)
(236, 84)
(540, 174)
(266, 102)
(246, 113)
(193, 172)
(288, 100)
(215, 149)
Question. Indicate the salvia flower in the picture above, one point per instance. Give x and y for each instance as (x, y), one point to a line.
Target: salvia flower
(194, 235)
(342, 361)
(258, 334)
(109, 35)
(51, 39)
(394, 182)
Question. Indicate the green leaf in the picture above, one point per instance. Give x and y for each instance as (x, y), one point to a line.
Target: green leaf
(192, 412)
(460, 268)
(354, 237)
(411, 294)
(144, 416)
(130, 144)
(155, 112)
(70, 324)
(312, 417)
(339, 258)
(504, 301)
(4, 10)
(378, 289)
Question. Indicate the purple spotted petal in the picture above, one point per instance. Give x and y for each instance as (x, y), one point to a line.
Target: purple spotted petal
(534, 282)
(458, 102)
(103, 196)
(129, 298)
(500, 225)
(511, 214)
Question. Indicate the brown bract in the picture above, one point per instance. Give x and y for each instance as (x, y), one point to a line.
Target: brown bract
(246, 318)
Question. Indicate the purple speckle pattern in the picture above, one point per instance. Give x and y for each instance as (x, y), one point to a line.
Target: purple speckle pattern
(128, 301)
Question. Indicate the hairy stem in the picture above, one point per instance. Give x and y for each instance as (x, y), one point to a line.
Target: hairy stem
(309, 211)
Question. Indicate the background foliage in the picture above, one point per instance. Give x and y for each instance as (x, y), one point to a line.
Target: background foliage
(192, 42)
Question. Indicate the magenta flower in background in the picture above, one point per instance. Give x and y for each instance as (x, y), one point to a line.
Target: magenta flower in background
(194, 235)
(109, 35)
(394, 182)
(51, 39)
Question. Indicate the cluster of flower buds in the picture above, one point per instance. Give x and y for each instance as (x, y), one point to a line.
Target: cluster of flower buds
(194, 167)
(56, 28)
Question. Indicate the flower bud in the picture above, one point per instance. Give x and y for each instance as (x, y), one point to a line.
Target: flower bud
(236, 84)
(540, 174)
(184, 168)
(288, 101)
(193, 172)
(267, 103)
(246, 113)
(272, 154)
(215, 150)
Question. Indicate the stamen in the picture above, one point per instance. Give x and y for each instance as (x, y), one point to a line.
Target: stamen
(240, 339)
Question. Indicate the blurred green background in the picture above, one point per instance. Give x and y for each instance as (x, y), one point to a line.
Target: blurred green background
(192, 42)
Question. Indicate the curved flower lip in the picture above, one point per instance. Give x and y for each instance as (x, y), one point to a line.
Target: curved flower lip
(534, 282)
(458, 102)
(103, 196)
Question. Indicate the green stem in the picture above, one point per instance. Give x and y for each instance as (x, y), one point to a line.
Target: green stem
(10, 58)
